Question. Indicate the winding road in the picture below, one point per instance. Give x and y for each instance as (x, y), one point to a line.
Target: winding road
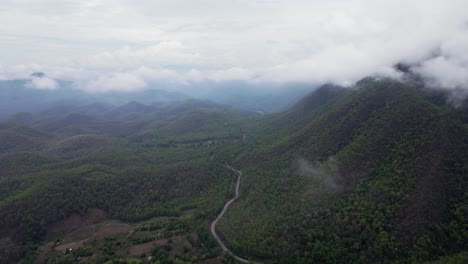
(213, 225)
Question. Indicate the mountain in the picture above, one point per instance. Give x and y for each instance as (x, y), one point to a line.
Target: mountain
(257, 97)
(372, 173)
(69, 161)
(14, 138)
(375, 173)
(16, 96)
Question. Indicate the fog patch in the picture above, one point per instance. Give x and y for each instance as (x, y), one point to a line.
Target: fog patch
(123, 82)
(324, 177)
(42, 83)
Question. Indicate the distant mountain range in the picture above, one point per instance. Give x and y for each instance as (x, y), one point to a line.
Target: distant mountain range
(374, 173)
(16, 95)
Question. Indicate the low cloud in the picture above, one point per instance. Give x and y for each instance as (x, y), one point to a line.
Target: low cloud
(20, 71)
(324, 176)
(42, 83)
(449, 69)
(342, 65)
(162, 54)
(123, 82)
(230, 74)
(143, 77)
(444, 72)
(157, 74)
(125, 45)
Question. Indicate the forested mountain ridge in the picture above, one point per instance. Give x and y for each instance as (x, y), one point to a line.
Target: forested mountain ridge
(19, 95)
(377, 173)
(134, 162)
(372, 173)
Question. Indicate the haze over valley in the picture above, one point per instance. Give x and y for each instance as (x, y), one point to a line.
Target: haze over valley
(262, 131)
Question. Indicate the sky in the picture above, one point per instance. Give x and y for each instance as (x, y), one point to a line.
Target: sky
(124, 45)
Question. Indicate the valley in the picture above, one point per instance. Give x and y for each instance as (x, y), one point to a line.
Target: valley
(354, 175)
(226, 206)
(233, 132)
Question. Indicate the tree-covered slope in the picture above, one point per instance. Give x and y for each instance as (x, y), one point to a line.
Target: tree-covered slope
(373, 173)
(377, 173)
(155, 164)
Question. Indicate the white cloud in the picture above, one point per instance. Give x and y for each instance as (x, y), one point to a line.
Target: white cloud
(124, 45)
(20, 71)
(444, 72)
(140, 78)
(450, 68)
(230, 74)
(341, 64)
(157, 74)
(164, 53)
(123, 82)
(43, 83)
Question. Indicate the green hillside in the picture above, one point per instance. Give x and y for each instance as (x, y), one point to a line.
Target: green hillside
(155, 164)
(374, 173)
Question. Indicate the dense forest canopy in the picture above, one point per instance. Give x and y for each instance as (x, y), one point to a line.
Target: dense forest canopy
(221, 131)
(374, 173)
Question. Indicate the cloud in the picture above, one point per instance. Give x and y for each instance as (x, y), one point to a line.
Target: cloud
(142, 41)
(171, 53)
(123, 82)
(324, 176)
(445, 72)
(158, 74)
(449, 69)
(42, 83)
(138, 79)
(235, 73)
(339, 64)
(20, 71)
(230, 74)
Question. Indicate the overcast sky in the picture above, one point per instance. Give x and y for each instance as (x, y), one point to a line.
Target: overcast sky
(107, 45)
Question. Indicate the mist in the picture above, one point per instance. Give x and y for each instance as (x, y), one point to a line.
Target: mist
(183, 44)
(324, 177)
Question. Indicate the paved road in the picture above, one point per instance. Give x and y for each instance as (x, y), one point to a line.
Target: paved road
(213, 225)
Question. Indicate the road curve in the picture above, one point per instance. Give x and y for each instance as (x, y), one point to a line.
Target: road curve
(213, 224)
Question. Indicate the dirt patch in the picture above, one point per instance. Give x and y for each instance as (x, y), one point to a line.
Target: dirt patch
(95, 232)
(137, 250)
(79, 236)
(80, 233)
(177, 245)
(47, 246)
(111, 229)
(74, 245)
(42, 252)
(75, 220)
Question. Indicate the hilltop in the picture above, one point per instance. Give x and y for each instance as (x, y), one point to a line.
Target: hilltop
(373, 173)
